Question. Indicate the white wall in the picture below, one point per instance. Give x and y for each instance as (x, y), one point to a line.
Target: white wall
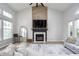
(24, 18)
(8, 9)
(70, 15)
(55, 23)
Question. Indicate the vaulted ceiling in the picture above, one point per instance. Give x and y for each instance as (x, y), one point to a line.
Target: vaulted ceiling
(56, 6)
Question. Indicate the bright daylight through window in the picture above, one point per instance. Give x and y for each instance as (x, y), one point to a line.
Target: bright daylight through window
(77, 28)
(23, 32)
(70, 29)
(7, 14)
(7, 30)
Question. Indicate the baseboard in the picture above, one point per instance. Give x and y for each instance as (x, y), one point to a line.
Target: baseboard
(49, 42)
(56, 42)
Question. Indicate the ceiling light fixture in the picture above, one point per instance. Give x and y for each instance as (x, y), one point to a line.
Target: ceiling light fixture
(37, 4)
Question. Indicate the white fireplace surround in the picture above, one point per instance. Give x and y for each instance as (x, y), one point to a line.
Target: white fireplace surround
(39, 33)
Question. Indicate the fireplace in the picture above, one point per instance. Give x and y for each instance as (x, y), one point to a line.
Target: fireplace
(40, 30)
(40, 35)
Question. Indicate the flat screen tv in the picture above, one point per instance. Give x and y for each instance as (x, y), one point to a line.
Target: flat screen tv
(39, 23)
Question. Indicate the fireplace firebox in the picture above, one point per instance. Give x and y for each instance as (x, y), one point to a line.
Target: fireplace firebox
(39, 37)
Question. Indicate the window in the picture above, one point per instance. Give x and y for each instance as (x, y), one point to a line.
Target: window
(70, 29)
(23, 32)
(6, 27)
(7, 14)
(0, 30)
(77, 28)
(7, 30)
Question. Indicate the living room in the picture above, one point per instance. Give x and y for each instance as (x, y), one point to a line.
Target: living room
(51, 26)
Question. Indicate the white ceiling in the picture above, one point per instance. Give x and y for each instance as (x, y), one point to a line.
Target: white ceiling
(56, 6)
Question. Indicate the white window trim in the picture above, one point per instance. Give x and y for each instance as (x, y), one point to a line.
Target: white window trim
(2, 18)
(2, 28)
(68, 35)
(74, 32)
(6, 14)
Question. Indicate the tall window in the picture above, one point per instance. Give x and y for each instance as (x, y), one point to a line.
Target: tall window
(6, 27)
(70, 29)
(0, 30)
(7, 30)
(77, 28)
(23, 32)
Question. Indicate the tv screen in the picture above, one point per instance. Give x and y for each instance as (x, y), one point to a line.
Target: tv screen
(39, 23)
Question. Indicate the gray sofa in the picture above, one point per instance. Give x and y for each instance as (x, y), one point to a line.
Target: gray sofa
(72, 44)
(73, 47)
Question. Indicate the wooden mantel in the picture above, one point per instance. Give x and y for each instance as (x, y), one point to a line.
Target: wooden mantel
(39, 12)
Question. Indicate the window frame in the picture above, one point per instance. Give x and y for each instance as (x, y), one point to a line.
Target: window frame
(75, 28)
(6, 14)
(68, 33)
(24, 34)
(4, 18)
(2, 28)
(74, 34)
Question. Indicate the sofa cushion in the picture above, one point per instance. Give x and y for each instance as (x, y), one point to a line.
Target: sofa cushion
(72, 47)
(71, 40)
(8, 51)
